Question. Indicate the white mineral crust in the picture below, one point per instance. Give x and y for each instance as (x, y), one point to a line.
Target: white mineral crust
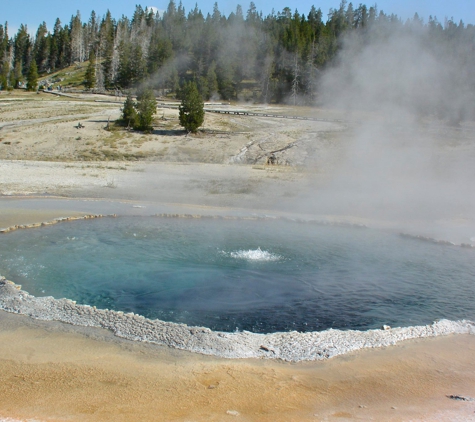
(289, 346)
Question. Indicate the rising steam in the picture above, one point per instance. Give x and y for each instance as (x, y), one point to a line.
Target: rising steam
(408, 151)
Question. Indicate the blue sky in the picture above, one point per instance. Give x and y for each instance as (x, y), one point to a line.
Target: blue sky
(33, 12)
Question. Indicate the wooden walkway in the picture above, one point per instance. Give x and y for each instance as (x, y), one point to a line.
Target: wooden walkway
(250, 113)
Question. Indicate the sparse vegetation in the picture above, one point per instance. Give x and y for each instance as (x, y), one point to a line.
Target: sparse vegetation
(111, 183)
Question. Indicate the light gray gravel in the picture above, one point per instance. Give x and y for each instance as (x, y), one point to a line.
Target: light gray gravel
(288, 346)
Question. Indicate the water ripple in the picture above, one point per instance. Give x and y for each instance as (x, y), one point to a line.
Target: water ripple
(253, 255)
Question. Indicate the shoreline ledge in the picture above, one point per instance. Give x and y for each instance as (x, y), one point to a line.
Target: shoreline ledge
(287, 346)
(54, 221)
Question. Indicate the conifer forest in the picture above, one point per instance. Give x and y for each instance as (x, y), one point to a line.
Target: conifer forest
(245, 56)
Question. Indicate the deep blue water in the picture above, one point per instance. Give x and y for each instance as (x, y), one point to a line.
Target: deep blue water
(260, 276)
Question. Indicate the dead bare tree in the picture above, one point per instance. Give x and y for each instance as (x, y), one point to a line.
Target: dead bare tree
(78, 48)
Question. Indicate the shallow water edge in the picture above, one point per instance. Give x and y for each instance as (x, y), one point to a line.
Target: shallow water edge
(288, 346)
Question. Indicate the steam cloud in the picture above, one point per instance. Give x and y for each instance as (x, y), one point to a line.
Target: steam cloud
(409, 151)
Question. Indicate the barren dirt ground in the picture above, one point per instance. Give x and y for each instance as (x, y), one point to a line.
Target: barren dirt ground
(44, 127)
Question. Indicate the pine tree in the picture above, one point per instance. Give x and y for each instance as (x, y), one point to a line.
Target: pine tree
(17, 76)
(124, 71)
(106, 36)
(64, 48)
(191, 109)
(129, 114)
(21, 50)
(32, 77)
(146, 107)
(41, 47)
(4, 74)
(4, 77)
(90, 78)
(225, 75)
(173, 80)
(54, 45)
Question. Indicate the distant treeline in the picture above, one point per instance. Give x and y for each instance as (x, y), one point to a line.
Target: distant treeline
(247, 56)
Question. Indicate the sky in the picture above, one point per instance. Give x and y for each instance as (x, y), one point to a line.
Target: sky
(33, 12)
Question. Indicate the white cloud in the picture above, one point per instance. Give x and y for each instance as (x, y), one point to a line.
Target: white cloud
(155, 10)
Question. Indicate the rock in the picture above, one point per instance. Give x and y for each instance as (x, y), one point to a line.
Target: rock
(460, 398)
(232, 412)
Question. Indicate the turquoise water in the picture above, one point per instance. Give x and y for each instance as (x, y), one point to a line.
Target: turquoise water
(260, 276)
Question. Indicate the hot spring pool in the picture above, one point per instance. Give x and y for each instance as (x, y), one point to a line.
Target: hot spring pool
(261, 276)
